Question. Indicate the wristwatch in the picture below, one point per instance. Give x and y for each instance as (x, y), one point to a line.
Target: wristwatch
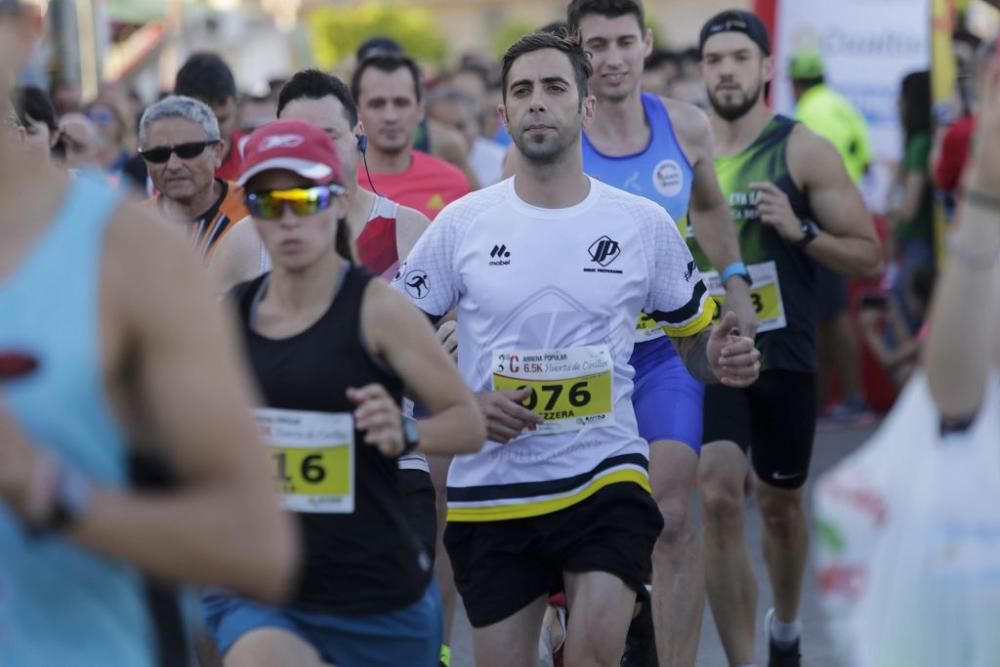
(810, 230)
(411, 436)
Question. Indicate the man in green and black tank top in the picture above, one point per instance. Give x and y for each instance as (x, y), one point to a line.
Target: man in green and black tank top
(793, 205)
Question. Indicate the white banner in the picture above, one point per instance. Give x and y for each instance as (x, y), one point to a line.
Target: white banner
(868, 46)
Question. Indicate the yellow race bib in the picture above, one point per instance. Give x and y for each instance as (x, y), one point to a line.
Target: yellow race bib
(312, 454)
(571, 388)
(765, 295)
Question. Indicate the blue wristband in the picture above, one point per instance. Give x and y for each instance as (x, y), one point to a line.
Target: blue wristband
(734, 269)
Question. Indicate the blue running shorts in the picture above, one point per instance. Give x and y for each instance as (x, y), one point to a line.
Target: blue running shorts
(408, 636)
(669, 403)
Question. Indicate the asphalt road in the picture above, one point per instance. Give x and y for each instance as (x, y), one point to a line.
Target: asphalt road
(817, 650)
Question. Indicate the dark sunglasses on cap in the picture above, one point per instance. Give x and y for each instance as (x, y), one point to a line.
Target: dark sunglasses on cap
(187, 151)
(270, 204)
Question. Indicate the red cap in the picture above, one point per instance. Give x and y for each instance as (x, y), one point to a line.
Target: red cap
(291, 145)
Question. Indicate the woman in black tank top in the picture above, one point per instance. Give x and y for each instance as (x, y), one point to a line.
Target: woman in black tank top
(332, 350)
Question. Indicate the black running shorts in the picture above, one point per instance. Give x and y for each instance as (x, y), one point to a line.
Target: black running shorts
(502, 566)
(774, 418)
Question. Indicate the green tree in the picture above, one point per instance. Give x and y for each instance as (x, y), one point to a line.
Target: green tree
(509, 32)
(337, 32)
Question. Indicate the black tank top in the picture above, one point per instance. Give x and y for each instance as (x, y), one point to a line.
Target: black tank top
(792, 346)
(365, 561)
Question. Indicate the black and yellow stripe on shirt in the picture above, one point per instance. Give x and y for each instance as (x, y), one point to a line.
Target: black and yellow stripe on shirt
(692, 317)
(503, 502)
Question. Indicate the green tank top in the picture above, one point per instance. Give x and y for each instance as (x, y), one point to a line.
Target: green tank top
(783, 275)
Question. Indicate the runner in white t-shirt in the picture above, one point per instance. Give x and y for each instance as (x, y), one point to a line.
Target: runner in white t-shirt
(548, 272)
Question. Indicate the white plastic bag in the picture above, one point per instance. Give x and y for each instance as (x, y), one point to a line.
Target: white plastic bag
(909, 541)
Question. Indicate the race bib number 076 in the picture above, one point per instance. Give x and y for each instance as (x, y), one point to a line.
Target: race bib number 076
(312, 459)
(571, 388)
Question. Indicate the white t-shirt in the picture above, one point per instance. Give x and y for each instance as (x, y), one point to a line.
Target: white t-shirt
(570, 282)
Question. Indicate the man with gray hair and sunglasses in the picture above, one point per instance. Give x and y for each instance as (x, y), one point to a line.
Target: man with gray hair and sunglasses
(180, 141)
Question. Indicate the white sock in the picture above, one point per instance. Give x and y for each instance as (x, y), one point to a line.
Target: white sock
(785, 633)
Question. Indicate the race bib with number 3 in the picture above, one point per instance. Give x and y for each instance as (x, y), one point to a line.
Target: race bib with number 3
(571, 388)
(765, 295)
(312, 459)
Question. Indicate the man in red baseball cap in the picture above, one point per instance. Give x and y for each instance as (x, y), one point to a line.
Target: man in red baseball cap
(331, 349)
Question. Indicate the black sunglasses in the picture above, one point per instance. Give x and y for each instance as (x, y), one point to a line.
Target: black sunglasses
(191, 149)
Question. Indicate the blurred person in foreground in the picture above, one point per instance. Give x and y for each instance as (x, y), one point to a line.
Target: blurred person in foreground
(827, 113)
(127, 452)
(387, 89)
(180, 141)
(963, 346)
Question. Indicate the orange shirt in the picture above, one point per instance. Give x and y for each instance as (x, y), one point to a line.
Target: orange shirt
(428, 185)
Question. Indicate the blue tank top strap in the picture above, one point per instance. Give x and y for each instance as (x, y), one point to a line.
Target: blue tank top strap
(663, 127)
(660, 172)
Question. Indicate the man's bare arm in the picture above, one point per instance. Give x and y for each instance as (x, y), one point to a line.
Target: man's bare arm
(709, 214)
(693, 351)
(186, 373)
(847, 243)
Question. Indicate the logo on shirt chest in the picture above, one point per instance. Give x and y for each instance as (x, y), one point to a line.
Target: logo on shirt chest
(603, 252)
(500, 255)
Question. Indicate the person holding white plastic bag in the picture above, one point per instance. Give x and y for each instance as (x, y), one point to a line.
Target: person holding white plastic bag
(909, 525)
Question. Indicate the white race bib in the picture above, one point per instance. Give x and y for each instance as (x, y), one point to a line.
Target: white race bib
(571, 388)
(312, 454)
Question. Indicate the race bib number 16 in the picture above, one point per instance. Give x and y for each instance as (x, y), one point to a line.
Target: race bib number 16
(571, 388)
(312, 459)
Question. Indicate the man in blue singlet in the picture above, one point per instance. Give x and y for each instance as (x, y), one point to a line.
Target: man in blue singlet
(114, 360)
(662, 149)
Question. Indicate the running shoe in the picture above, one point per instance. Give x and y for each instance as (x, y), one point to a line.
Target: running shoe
(781, 655)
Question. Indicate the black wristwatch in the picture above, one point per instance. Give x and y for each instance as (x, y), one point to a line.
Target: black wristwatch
(411, 436)
(810, 231)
